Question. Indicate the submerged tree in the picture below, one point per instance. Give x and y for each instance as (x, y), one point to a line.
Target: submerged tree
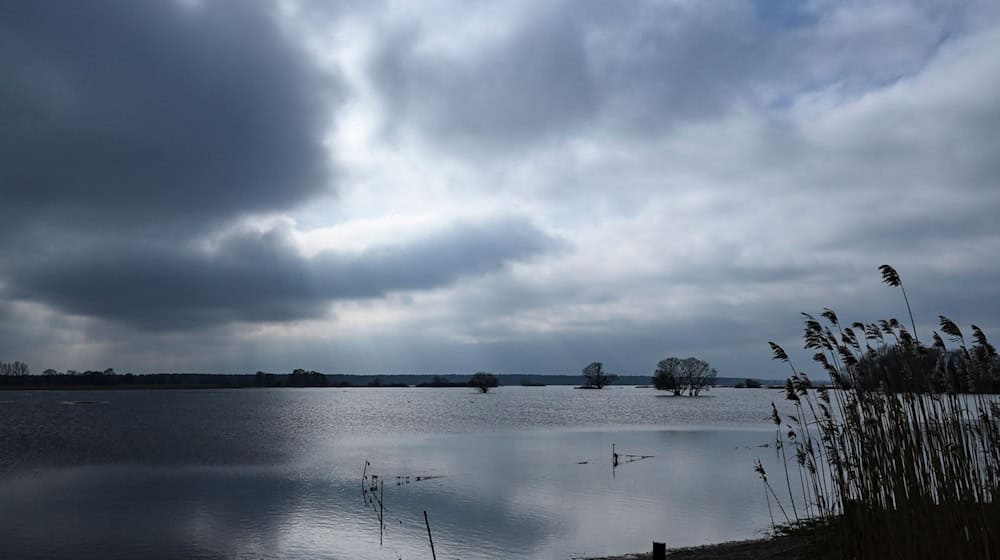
(682, 375)
(699, 375)
(667, 376)
(483, 381)
(596, 378)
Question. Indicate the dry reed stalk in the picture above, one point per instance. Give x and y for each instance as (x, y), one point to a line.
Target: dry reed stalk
(901, 457)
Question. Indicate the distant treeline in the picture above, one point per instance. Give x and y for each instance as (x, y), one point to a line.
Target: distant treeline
(14, 368)
(298, 378)
(111, 379)
(12, 376)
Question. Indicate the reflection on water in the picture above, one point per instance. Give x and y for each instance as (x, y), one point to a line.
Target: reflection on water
(519, 473)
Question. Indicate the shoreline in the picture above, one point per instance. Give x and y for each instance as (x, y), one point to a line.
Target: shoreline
(768, 548)
(116, 387)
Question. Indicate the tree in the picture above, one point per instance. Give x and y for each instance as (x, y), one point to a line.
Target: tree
(483, 381)
(595, 376)
(667, 376)
(679, 375)
(303, 378)
(698, 375)
(14, 368)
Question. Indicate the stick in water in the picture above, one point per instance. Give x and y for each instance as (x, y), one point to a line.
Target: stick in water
(431, 539)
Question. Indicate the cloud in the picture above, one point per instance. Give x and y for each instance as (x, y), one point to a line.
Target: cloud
(260, 276)
(580, 68)
(121, 115)
(714, 167)
(534, 83)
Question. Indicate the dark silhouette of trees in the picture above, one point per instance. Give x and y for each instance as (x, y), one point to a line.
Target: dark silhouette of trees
(595, 377)
(303, 378)
(441, 381)
(483, 381)
(14, 368)
(109, 378)
(264, 379)
(683, 375)
(748, 383)
(898, 368)
(667, 376)
(298, 378)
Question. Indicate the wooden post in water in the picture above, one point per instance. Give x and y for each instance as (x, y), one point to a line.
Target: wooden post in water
(659, 550)
(431, 539)
(381, 513)
(364, 483)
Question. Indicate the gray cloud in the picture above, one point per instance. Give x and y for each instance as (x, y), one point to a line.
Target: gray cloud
(132, 129)
(537, 84)
(718, 166)
(258, 276)
(122, 114)
(641, 67)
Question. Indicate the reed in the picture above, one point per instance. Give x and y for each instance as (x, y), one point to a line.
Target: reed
(899, 457)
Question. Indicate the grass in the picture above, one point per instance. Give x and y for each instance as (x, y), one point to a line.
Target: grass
(900, 458)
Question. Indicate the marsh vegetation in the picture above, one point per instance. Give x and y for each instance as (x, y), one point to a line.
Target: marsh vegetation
(900, 457)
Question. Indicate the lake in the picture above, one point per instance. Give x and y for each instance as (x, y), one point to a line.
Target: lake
(520, 472)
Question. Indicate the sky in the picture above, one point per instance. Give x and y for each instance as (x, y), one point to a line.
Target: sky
(516, 187)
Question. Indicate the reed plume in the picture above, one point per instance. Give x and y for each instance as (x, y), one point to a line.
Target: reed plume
(900, 456)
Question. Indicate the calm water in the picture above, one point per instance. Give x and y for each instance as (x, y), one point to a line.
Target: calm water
(524, 472)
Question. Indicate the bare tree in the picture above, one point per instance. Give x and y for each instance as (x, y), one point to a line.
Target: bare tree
(596, 378)
(699, 375)
(14, 368)
(689, 375)
(667, 376)
(483, 381)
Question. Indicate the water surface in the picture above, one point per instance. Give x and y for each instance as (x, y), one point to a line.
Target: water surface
(521, 472)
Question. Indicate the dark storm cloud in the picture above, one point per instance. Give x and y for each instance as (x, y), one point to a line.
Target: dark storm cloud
(119, 114)
(135, 132)
(259, 276)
